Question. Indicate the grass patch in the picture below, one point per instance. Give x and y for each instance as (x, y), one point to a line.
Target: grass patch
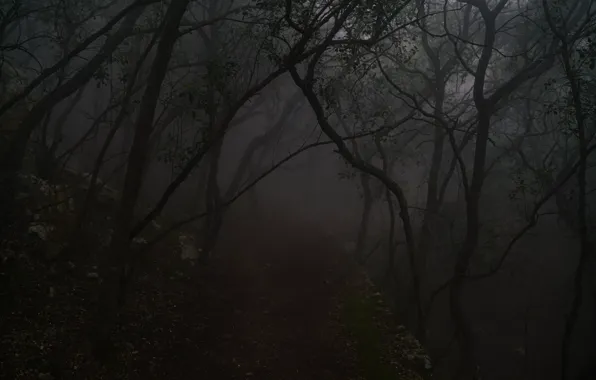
(359, 317)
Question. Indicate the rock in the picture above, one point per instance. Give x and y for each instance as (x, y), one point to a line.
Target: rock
(188, 250)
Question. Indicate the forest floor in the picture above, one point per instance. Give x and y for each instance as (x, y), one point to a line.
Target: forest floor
(278, 301)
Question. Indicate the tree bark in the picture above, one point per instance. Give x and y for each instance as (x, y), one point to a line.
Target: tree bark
(60, 65)
(120, 118)
(117, 258)
(213, 205)
(298, 54)
(573, 76)
(307, 88)
(390, 270)
(463, 331)
(485, 107)
(12, 158)
(361, 255)
(260, 142)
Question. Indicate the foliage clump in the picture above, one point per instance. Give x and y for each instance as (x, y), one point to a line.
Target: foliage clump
(385, 349)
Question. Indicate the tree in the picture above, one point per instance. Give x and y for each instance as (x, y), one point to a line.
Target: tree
(438, 70)
(247, 168)
(135, 169)
(568, 25)
(307, 43)
(14, 149)
(486, 105)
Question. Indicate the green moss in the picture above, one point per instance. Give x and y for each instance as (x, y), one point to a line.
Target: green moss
(359, 317)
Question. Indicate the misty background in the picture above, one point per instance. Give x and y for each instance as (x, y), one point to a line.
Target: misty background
(445, 145)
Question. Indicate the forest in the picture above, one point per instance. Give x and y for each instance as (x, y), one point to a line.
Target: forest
(281, 189)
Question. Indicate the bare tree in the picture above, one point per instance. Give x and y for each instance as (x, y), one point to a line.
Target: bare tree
(14, 152)
(136, 166)
(568, 27)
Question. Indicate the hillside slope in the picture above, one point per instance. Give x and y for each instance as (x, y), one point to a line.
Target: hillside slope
(279, 301)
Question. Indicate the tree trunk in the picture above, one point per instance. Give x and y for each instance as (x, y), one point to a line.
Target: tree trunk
(485, 107)
(307, 88)
(12, 159)
(432, 205)
(213, 205)
(123, 114)
(582, 220)
(364, 219)
(118, 257)
(432, 193)
(390, 270)
(260, 142)
(60, 65)
(462, 327)
(367, 195)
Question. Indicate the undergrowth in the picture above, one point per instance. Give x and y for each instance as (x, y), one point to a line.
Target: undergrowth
(385, 350)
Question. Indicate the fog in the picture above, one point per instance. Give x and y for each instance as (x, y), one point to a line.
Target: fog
(442, 150)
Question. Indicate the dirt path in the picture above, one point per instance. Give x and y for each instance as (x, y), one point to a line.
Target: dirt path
(274, 297)
(271, 305)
